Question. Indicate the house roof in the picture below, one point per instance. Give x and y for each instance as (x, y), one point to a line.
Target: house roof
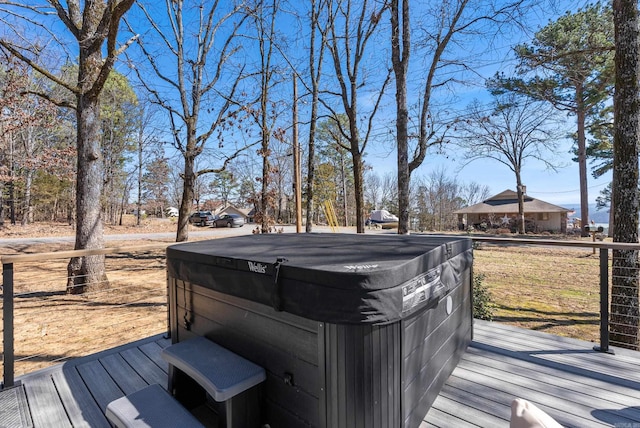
(233, 209)
(507, 202)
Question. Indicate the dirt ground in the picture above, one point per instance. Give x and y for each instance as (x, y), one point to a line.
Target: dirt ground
(42, 229)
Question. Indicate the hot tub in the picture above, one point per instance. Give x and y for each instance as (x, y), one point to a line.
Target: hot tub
(353, 330)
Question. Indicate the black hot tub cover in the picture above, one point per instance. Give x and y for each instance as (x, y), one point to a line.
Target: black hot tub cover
(336, 278)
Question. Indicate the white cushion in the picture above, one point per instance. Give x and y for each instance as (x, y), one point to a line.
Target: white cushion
(526, 415)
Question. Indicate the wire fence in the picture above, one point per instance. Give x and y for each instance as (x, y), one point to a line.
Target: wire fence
(624, 315)
(558, 287)
(554, 290)
(52, 325)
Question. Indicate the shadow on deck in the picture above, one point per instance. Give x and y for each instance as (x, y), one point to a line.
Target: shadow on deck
(565, 377)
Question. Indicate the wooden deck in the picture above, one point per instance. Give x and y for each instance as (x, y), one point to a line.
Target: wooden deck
(565, 377)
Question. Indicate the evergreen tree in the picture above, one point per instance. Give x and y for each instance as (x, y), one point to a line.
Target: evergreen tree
(569, 64)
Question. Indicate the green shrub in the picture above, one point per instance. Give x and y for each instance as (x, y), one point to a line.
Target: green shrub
(483, 305)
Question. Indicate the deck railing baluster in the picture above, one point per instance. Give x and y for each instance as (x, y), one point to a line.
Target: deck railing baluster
(7, 327)
(604, 302)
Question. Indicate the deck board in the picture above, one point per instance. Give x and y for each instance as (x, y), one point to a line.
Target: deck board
(44, 403)
(139, 362)
(127, 379)
(82, 409)
(565, 377)
(103, 388)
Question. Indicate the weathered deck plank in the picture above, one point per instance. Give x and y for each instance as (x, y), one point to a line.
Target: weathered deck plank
(45, 404)
(103, 388)
(127, 379)
(139, 362)
(82, 409)
(565, 377)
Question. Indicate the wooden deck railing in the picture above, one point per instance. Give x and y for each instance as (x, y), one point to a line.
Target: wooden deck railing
(19, 281)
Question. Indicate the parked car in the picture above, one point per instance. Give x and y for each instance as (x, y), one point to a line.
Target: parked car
(201, 218)
(229, 220)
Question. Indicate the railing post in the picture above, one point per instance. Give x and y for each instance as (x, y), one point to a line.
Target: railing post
(7, 324)
(604, 302)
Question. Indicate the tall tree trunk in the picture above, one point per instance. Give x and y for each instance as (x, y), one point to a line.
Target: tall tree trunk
(140, 163)
(401, 49)
(27, 214)
(520, 191)
(188, 184)
(358, 178)
(12, 195)
(624, 322)
(27, 210)
(265, 197)
(2, 201)
(311, 163)
(582, 160)
(264, 193)
(344, 191)
(611, 220)
(315, 69)
(88, 271)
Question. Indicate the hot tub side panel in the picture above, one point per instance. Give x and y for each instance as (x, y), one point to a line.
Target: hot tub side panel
(433, 343)
(363, 373)
(285, 345)
(388, 376)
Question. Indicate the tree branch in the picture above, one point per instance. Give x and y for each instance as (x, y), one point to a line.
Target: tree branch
(38, 68)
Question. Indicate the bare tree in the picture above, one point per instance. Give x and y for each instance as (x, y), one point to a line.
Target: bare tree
(351, 27)
(390, 192)
(263, 16)
(199, 84)
(452, 21)
(26, 123)
(438, 197)
(146, 143)
(473, 193)
(155, 182)
(518, 128)
(625, 316)
(93, 27)
(373, 189)
(316, 58)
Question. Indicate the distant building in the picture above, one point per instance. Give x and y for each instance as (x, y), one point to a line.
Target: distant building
(501, 211)
(230, 209)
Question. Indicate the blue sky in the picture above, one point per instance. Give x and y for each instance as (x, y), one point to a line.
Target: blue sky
(559, 187)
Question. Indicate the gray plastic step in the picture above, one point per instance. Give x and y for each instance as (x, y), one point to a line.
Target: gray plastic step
(221, 372)
(153, 407)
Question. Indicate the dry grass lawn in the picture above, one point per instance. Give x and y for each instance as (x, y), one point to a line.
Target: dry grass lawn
(550, 289)
(52, 326)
